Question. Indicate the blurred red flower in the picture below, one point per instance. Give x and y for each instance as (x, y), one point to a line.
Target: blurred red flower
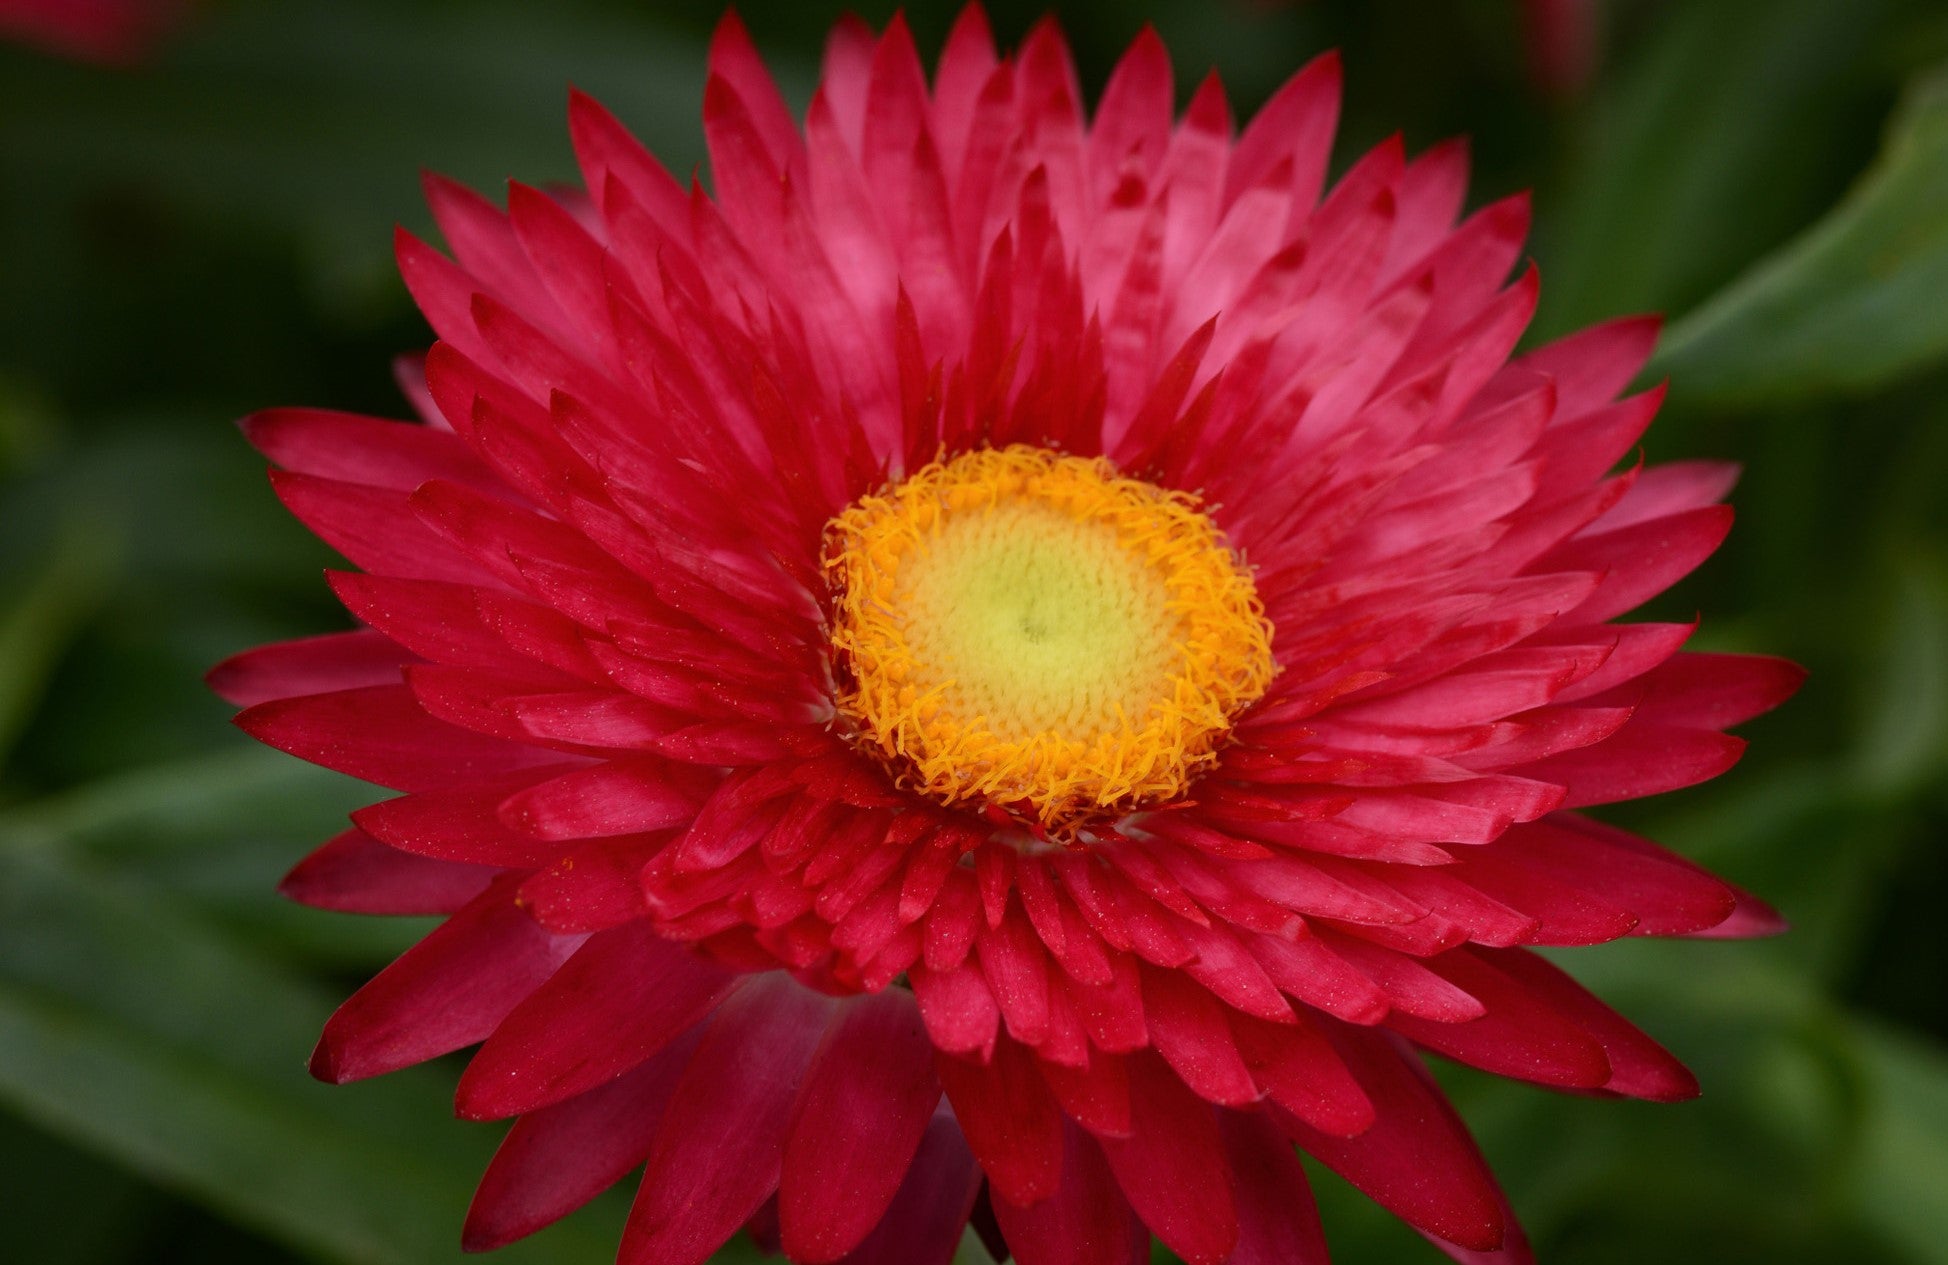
(111, 31)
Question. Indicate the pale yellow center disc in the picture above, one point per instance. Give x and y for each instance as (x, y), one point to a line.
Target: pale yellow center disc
(1032, 630)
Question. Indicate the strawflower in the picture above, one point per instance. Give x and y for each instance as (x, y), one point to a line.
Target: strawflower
(1003, 665)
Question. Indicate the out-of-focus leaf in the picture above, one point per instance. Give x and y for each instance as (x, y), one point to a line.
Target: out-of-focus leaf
(1901, 1179)
(1856, 301)
(139, 1032)
(1711, 146)
(320, 115)
(27, 427)
(1905, 739)
(1807, 839)
(37, 624)
(216, 833)
(86, 1212)
(209, 564)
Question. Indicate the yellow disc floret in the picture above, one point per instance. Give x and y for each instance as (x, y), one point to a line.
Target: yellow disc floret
(1021, 628)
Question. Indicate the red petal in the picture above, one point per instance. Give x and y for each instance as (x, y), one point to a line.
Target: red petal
(1300, 1072)
(1643, 758)
(1642, 560)
(362, 450)
(720, 1148)
(1520, 1036)
(1716, 691)
(865, 1102)
(1011, 1121)
(1016, 967)
(376, 528)
(1173, 1168)
(380, 733)
(1665, 893)
(1085, 1222)
(1097, 1096)
(558, 1158)
(450, 990)
(459, 825)
(1278, 1222)
(309, 665)
(620, 797)
(595, 887)
(924, 1224)
(1187, 1026)
(1417, 1161)
(625, 995)
(356, 874)
(959, 1010)
(1641, 1068)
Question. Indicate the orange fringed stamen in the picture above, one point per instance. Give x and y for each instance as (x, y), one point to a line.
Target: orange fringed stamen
(1022, 628)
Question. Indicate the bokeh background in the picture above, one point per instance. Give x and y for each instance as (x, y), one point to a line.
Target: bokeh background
(195, 216)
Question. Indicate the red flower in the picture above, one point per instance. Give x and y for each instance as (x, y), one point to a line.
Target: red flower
(1074, 614)
(108, 31)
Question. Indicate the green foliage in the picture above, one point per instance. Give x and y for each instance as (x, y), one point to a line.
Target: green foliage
(183, 241)
(1852, 304)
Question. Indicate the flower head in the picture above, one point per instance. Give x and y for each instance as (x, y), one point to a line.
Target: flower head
(1003, 656)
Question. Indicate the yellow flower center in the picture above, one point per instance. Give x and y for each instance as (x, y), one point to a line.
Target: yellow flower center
(1030, 630)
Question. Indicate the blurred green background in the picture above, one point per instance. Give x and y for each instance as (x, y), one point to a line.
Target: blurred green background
(206, 231)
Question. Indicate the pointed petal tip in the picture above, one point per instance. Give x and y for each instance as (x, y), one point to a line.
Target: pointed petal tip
(325, 1063)
(1329, 66)
(221, 680)
(730, 29)
(1750, 919)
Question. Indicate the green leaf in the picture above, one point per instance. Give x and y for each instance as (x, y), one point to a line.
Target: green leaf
(141, 1033)
(86, 1212)
(37, 625)
(1904, 745)
(217, 832)
(1855, 302)
(1692, 163)
(319, 116)
(1901, 1179)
